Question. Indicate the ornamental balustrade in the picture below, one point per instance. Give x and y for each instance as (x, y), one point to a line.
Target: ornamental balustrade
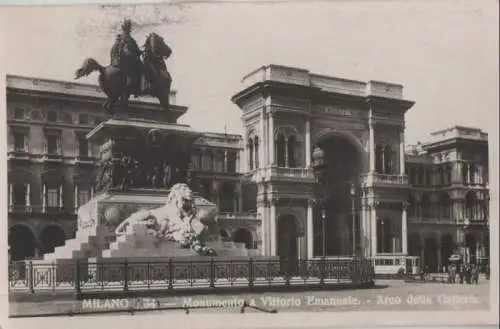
(89, 277)
(300, 173)
(391, 179)
(36, 209)
(252, 216)
(280, 172)
(431, 220)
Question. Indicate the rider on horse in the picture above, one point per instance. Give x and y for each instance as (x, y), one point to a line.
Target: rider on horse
(126, 55)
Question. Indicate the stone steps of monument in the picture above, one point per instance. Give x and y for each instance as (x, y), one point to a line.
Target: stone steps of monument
(73, 248)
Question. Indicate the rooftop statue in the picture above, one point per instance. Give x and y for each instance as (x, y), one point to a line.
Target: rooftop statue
(178, 220)
(132, 71)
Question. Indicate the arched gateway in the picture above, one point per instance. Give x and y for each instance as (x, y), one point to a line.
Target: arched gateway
(358, 126)
(343, 158)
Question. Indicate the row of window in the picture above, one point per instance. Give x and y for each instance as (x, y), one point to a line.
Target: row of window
(53, 116)
(214, 160)
(285, 148)
(20, 196)
(385, 159)
(472, 208)
(286, 154)
(52, 144)
(472, 212)
(442, 175)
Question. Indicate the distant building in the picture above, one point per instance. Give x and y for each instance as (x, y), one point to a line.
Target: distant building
(424, 201)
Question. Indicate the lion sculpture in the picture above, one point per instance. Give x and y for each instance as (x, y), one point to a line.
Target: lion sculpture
(178, 220)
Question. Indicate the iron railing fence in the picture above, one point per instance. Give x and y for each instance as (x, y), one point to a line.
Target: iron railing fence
(82, 276)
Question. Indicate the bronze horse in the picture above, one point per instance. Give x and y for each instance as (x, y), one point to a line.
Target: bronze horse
(155, 79)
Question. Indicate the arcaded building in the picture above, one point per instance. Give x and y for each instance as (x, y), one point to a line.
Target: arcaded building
(385, 199)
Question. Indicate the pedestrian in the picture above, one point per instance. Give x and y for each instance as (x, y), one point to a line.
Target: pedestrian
(468, 274)
(475, 274)
(422, 274)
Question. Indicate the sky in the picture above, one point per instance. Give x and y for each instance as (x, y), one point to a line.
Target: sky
(444, 53)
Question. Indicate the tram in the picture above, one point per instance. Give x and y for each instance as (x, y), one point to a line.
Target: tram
(396, 264)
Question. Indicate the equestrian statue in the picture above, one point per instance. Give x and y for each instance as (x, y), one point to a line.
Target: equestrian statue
(132, 71)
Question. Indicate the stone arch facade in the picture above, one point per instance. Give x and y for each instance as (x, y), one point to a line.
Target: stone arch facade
(254, 231)
(250, 243)
(350, 137)
(22, 241)
(298, 217)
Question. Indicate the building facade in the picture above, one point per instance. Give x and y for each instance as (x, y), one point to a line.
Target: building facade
(384, 198)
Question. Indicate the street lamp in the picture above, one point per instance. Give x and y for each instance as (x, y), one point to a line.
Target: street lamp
(353, 214)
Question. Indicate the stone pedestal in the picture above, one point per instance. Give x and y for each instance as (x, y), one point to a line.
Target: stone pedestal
(140, 161)
(142, 154)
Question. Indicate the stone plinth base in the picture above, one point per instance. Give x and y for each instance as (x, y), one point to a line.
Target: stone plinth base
(137, 243)
(98, 219)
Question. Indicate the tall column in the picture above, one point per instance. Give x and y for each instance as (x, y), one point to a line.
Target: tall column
(44, 197)
(365, 230)
(60, 196)
(11, 195)
(439, 260)
(28, 195)
(404, 230)
(455, 174)
(264, 231)
(402, 151)
(272, 141)
(235, 203)
(91, 192)
(273, 229)
(373, 224)
(308, 142)
(246, 153)
(467, 175)
(371, 123)
(310, 231)
(256, 151)
(225, 161)
(76, 196)
(300, 239)
(262, 140)
(286, 152)
(237, 164)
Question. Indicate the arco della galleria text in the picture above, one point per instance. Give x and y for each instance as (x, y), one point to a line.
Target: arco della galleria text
(386, 200)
